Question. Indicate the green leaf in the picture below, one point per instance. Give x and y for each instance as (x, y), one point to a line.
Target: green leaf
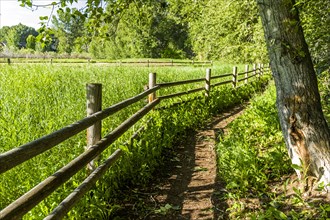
(296, 167)
(198, 169)
(28, 3)
(232, 185)
(282, 215)
(43, 17)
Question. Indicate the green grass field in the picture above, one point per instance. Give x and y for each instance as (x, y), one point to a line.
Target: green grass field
(37, 99)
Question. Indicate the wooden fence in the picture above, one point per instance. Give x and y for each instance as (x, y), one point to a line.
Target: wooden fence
(144, 63)
(96, 145)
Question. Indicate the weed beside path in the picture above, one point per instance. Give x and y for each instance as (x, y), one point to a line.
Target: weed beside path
(188, 186)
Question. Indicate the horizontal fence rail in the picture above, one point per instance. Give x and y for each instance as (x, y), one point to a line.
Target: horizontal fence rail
(184, 82)
(182, 93)
(16, 156)
(221, 76)
(25, 152)
(24, 60)
(221, 83)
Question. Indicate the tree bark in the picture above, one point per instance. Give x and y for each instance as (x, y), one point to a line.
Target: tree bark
(305, 130)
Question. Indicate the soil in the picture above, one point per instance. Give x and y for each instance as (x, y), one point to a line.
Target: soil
(187, 187)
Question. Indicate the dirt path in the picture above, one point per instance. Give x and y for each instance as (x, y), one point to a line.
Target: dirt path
(202, 183)
(189, 187)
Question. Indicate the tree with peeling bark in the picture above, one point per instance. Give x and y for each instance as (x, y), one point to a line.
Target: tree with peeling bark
(305, 130)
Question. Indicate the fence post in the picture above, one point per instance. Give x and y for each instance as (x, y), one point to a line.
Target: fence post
(254, 69)
(148, 64)
(234, 77)
(208, 82)
(152, 83)
(246, 73)
(259, 72)
(94, 104)
(8, 61)
(172, 63)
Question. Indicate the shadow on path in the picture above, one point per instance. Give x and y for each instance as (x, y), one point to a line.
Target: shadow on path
(188, 185)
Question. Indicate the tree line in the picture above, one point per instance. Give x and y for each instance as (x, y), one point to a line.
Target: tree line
(206, 29)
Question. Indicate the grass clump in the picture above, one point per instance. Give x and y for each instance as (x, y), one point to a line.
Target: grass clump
(247, 169)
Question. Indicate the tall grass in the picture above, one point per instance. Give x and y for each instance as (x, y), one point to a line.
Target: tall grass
(36, 100)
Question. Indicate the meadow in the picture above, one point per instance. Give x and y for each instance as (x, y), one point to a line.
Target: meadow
(37, 99)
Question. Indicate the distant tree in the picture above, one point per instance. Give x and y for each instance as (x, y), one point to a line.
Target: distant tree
(143, 29)
(31, 42)
(15, 36)
(12, 39)
(67, 28)
(3, 33)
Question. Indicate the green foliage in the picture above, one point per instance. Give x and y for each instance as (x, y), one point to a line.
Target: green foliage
(207, 29)
(228, 31)
(254, 164)
(316, 23)
(165, 209)
(68, 30)
(146, 29)
(163, 29)
(253, 152)
(324, 87)
(178, 29)
(16, 36)
(31, 42)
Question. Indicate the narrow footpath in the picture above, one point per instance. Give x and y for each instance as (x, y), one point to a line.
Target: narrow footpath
(189, 187)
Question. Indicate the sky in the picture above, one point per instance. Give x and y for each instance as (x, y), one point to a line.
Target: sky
(11, 13)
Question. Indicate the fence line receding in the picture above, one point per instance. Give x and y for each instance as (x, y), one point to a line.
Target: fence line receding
(96, 146)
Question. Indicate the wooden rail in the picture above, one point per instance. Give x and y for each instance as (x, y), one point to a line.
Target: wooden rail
(165, 63)
(147, 63)
(27, 151)
(184, 82)
(16, 156)
(182, 93)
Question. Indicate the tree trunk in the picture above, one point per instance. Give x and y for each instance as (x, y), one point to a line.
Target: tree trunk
(305, 130)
